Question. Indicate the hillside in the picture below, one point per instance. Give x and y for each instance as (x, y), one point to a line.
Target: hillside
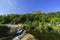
(41, 25)
(24, 18)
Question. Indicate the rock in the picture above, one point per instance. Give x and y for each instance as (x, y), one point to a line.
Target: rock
(28, 37)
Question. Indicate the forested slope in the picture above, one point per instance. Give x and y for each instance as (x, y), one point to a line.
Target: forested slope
(44, 26)
(24, 18)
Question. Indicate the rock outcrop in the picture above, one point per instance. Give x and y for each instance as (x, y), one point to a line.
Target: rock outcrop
(28, 37)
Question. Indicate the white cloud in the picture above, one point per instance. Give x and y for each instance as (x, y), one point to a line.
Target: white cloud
(2, 11)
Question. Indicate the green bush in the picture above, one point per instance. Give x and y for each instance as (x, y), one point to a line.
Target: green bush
(4, 30)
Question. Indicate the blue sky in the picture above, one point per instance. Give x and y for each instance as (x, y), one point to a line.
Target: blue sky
(28, 6)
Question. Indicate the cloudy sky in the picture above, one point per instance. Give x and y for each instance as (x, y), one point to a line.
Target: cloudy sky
(27, 6)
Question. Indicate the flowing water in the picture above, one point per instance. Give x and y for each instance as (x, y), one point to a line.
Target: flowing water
(19, 36)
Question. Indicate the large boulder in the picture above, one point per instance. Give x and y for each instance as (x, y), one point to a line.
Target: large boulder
(28, 37)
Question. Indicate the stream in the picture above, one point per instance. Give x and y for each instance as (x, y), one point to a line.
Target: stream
(20, 34)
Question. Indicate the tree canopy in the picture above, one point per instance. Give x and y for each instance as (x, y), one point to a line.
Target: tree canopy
(23, 18)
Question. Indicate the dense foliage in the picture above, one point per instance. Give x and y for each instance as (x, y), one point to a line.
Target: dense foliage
(4, 30)
(43, 26)
(24, 18)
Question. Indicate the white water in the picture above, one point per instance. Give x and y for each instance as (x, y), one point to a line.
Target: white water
(19, 37)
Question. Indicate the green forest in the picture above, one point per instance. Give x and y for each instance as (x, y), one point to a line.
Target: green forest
(30, 17)
(44, 26)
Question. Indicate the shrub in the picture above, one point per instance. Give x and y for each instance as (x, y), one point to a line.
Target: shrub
(4, 30)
